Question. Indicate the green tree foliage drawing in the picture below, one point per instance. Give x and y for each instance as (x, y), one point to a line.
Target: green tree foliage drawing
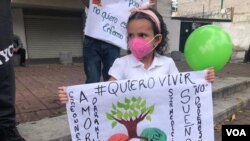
(130, 113)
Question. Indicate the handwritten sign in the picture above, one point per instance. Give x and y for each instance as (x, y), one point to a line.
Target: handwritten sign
(108, 22)
(174, 107)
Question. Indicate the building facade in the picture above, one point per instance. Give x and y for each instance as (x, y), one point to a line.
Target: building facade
(232, 15)
(48, 28)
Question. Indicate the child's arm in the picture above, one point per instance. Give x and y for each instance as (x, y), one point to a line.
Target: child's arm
(62, 95)
(210, 77)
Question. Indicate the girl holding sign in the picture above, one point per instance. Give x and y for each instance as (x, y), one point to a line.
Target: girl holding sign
(147, 39)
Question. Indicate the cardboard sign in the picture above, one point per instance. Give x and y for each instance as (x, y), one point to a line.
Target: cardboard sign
(174, 107)
(108, 21)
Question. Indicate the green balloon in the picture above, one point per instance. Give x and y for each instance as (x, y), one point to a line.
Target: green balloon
(208, 46)
(154, 134)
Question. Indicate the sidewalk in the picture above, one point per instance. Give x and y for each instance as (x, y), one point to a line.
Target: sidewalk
(36, 88)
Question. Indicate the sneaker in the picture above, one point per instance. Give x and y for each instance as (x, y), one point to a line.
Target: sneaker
(10, 134)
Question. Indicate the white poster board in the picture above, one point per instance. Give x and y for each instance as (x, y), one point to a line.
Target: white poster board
(108, 22)
(174, 107)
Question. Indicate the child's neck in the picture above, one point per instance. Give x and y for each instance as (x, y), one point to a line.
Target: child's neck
(148, 60)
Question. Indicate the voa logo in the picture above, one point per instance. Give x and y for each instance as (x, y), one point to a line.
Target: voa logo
(236, 132)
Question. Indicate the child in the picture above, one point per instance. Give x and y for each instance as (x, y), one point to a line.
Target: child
(147, 39)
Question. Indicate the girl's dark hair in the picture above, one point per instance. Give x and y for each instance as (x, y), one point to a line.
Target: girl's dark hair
(162, 47)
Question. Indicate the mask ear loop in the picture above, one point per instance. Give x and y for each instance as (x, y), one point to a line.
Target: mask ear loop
(157, 35)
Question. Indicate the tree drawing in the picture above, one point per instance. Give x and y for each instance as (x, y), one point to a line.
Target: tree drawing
(129, 114)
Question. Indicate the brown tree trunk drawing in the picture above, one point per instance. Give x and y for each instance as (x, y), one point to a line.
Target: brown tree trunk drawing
(131, 126)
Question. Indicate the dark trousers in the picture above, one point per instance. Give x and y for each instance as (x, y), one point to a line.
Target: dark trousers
(98, 57)
(247, 56)
(7, 95)
(7, 78)
(22, 53)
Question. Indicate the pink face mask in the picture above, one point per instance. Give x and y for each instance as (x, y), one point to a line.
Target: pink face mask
(139, 47)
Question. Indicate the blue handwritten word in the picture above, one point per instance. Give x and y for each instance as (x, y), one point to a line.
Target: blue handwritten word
(199, 121)
(185, 100)
(88, 122)
(109, 17)
(130, 85)
(111, 30)
(123, 24)
(133, 3)
(96, 122)
(105, 15)
(171, 111)
(88, 112)
(96, 10)
(76, 121)
(199, 88)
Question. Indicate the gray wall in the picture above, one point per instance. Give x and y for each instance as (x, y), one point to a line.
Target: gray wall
(164, 7)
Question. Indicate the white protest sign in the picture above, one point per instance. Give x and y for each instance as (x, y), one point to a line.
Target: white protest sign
(174, 107)
(108, 22)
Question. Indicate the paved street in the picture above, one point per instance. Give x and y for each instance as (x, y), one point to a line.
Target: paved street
(36, 88)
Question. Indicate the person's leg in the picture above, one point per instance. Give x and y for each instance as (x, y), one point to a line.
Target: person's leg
(92, 60)
(248, 55)
(8, 131)
(7, 82)
(7, 96)
(7, 104)
(22, 52)
(110, 53)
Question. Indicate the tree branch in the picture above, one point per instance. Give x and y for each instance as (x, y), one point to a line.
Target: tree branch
(141, 117)
(122, 121)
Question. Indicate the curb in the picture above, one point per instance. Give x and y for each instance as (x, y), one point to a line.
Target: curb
(229, 86)
(48, 129)
(226, 107)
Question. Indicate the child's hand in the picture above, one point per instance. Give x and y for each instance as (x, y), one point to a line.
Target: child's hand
(210, 75)
(62, 95)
